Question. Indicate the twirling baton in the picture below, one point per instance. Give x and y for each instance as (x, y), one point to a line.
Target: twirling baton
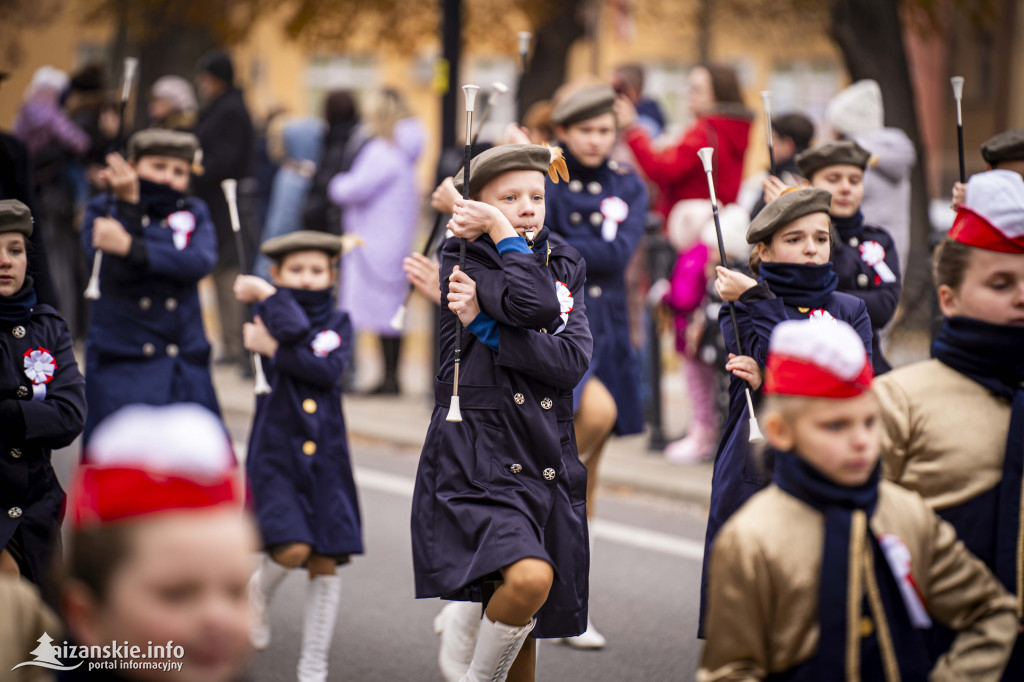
(230, 189)
(766, 98)
(454, 413)
(705, 157)
(398, 319)
(524, 48)
(131, 64)
(958, 94)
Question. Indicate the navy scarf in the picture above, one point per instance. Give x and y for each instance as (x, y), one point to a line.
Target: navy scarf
(17, 309)
(317, 304)
(993, 356)
(802, 286)
(159, 200)
(849, 227)
(838, 503)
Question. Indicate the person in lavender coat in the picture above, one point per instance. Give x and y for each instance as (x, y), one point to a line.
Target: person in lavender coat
(381, 205)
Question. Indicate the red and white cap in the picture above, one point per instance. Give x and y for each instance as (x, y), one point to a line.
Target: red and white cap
(144, 460)
(992, 215)
(817, 358)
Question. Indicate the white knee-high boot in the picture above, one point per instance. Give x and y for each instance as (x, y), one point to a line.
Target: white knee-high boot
(497, 646)
(322, 600)
(458, 623)
(591, 638)
(262, 585)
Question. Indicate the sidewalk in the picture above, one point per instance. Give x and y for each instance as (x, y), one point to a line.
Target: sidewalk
(402, 421)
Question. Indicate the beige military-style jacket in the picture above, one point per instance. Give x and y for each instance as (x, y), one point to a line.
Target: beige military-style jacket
(762, 612)
(944, 435)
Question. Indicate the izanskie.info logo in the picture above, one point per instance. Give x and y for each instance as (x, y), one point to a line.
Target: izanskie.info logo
(113, 656)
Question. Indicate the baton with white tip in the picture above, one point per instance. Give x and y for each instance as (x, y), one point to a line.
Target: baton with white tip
(230, 189)
(131, 65)
(958, 94)
(524, 47)
(766, 98)
(705, 157)
(454, 413)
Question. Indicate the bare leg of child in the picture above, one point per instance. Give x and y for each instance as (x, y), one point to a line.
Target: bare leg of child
(593, 424)
(525, 667)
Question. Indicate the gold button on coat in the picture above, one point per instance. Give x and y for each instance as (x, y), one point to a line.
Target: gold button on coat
(171, 304)
(594, 291)
(18, 332)
(145, 303)
(866, 627)
(15, 453)
(22, 391)
(516, 468)
(309, 405)
(547, 404)
(172, 350)
(596, 218)
(862, 280)
(575, 186)
(14, 512)
(148, 349)
(594, 187)
(519, 398)
(309, 447)
(549, 474)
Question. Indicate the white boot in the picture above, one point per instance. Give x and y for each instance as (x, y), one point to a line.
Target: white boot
(262, 586)
(591, 638)
(458, 624)
(497, 646)
(318, 629)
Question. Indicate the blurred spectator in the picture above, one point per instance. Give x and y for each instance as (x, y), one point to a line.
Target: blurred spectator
(791, 134)
(88, 103)
(172, 104)
(537, 120)
(297, 146)
(54, 144)
(16, 183)
(23, 617)
(344, 140)
(226, 136)
(857, 113)
(722, 122)
(628, 80)
(382, 206)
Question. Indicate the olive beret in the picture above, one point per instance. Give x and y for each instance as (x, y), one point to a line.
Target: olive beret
(489, 164)
(793, 204)
(15, 217)
(584, 104)
(160, 142)
(301, 240)
(845, 153)
(1006, 146)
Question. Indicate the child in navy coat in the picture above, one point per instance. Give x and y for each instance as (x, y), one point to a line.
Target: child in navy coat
(500, 497)
(298, 464)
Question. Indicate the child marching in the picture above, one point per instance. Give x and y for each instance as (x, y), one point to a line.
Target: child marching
(298, 464)
(499, 508)
(831, 573)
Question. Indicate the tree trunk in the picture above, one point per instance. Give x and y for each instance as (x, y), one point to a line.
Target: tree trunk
(869, 34)
(546, 71)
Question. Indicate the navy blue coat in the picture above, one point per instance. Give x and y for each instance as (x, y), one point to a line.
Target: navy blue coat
(146, 342)
(31, 499)
(738, 472)
(300, 475)
(576, 212)
(858, 278)
(506, 483)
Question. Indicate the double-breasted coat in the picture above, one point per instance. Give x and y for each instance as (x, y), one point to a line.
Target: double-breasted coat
(506, 483)
(146, 342)
(868, 267)
(602, 212)
(300, 474)
(32, 423)
(738, 472)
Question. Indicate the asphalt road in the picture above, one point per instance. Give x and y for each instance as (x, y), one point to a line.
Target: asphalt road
(644, 584)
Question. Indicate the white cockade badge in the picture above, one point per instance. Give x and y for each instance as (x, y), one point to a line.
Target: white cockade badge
(898, 557)
(821, 314)
(182, 224)
(325, 342)
(39, 368)
(614, 210)
(564, 304)
(873, 254)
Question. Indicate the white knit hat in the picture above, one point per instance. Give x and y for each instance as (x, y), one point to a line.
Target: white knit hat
(857, 109)
(176, 91)
(47, 78)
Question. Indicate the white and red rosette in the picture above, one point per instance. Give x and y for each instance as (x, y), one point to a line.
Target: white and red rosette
(39, 368)
(324, 342)
(565, 304)
(182, 224)
(821, 314)
(873, 255)
(614, 210)
(898, 557)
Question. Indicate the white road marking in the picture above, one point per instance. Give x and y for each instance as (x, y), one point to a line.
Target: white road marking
(621, 533)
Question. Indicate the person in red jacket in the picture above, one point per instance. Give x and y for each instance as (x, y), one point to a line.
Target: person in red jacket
(722, 122)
